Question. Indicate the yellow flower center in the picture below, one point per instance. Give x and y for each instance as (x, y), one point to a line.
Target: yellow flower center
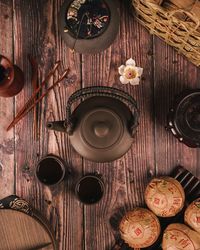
(130, 73)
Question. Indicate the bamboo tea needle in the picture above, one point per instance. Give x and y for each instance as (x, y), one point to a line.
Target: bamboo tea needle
(39, 99)
(31, 99)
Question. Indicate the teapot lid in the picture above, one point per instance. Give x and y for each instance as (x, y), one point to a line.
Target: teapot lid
(101, 128)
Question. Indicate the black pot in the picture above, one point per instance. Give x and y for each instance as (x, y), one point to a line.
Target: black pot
(184, 118)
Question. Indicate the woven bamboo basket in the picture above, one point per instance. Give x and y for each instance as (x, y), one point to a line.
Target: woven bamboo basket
(178, 27)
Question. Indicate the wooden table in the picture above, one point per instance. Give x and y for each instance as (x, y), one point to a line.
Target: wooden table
(31, 27)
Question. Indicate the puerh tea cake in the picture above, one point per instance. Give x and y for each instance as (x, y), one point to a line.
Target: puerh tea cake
(139, 228)
(192, 215)
(180, 237)
(165, 196)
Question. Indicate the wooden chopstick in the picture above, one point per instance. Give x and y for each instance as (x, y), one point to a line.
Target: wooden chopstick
(34, 80)
(29, 108)
(31, 99)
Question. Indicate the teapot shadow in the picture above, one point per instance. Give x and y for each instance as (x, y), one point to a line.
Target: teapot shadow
(164, 97)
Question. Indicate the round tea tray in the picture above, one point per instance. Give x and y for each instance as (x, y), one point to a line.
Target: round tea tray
(20, 231)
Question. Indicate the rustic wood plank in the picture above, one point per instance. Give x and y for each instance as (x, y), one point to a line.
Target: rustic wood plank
(6, 105)
(36, 33)
(125, 178)
(154, 151)
(173, 74)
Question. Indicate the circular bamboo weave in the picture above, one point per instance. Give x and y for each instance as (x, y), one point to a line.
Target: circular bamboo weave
(178, 27)
(20, 231)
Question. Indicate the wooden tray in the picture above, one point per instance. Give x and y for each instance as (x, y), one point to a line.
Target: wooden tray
(191, 185)
(23, 228)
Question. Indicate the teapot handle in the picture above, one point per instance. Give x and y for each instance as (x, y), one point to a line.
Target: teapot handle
(104, 92)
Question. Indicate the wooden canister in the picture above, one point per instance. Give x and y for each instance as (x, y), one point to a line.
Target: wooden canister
(165, 196)
(11, 78)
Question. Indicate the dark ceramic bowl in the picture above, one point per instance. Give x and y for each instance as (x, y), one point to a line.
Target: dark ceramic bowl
(99, 42)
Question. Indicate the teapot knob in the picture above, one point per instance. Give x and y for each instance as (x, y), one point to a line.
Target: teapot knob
(101, 129)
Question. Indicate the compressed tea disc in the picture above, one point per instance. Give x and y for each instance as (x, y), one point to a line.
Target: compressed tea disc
(180, 237)
(192, 215)
(139, 228)
(165, 196)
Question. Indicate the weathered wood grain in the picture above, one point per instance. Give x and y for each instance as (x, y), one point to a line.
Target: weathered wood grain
(36, 32)
(155, 151)
(173, 74)
(7, 139)
(125, 178)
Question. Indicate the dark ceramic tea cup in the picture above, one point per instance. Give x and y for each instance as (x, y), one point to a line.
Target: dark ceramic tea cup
(50, 170)
(90, 188)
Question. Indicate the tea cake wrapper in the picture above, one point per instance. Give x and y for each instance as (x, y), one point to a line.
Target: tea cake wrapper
(165, 196)
(180, 237)
(192, 215)
(139, 228)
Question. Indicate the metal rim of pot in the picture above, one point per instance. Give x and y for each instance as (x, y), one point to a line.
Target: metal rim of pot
(178, 123)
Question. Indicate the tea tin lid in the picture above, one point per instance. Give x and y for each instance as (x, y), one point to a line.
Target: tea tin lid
(184, 118)
(139, 228)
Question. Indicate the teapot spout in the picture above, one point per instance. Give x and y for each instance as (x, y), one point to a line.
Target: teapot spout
(57, 125)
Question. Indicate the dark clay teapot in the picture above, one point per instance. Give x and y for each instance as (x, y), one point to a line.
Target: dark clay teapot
(102, 127)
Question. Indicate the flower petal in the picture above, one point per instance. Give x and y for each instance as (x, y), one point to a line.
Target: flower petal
(130, 62)
(135, 81)
(139, 70)
(121, 69)
(123, 80)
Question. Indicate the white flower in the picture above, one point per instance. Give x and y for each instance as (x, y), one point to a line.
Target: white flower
(130, 73)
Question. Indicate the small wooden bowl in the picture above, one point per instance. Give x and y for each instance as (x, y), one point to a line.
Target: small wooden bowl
(192, 215)
(139, 228)
(165, 196)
